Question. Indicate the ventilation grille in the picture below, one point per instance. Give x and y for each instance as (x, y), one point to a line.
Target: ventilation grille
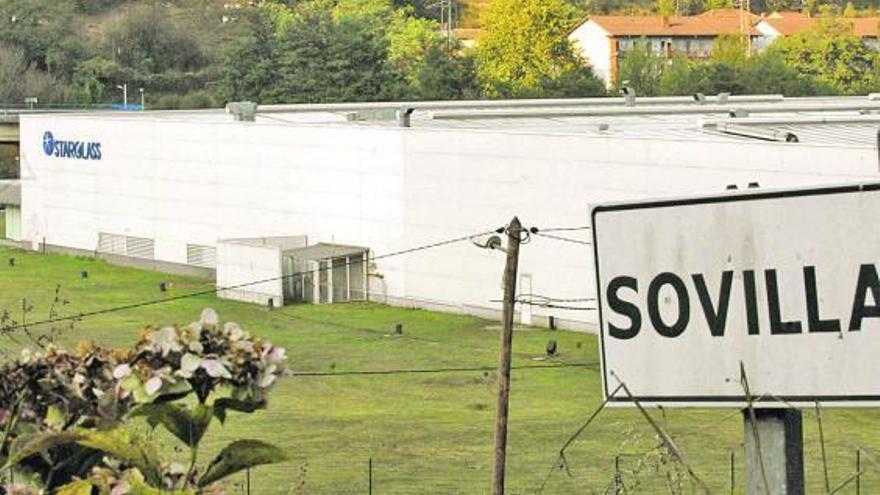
(111, 243)
(140, 247)
(203, 256)
(136, 247)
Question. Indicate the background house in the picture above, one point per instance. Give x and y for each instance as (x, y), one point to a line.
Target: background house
(790, 23)
(604, 40)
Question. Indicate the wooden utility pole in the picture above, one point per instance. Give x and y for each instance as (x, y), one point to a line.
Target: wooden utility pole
(514, 230)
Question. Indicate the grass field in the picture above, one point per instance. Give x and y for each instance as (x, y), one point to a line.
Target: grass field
(426, 432)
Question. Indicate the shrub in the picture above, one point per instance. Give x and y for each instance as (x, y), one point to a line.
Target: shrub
(68, 417)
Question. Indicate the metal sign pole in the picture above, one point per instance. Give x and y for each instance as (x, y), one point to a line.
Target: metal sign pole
(774, 449)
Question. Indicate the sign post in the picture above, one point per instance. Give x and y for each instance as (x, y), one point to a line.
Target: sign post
(774, 448)
(760, 300)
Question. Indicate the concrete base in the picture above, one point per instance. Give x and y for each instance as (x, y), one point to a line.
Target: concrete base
(207, 273)
(781, 438)
(154, 265)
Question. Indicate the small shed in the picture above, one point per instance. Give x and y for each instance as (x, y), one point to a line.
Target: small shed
(251, 269)
(284, 270)
(10, 201)
(326, 273)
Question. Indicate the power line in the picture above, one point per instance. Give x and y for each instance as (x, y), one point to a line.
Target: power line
(558, 306)
(558, 299)
(552, 303)
(564, 239)
(559, 229)
(215, 290)
(440, 370)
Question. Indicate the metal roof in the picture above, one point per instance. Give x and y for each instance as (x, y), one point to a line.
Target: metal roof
(323, 251)
(10, 192)
(824, 121)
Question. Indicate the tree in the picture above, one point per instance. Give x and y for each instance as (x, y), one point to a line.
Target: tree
(92, 77)
(666, 7)
(730, 49)
(147, 40)
(716, 77)
(35, 26)
(677, 77)
(641, 69)
(416, 49)
(249, 66)
(767, 73)
(811, 7)
(719, 4)
(325, 60)
(833, 55)
(524, 46)
(443, 76)
(20, 79)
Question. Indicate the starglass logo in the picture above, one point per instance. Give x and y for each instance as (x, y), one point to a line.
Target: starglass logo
(70, 149)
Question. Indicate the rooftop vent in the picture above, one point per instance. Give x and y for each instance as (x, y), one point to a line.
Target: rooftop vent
(404, 117)
(629, 94)
(762, 133)
(242, 111)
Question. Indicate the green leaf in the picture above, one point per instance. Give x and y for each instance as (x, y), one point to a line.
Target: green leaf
(239, 455)
(188, 425)
(126, 446)
(221, 405)
(172, 395)
(55, 418)
(24, 447)
(82, 487)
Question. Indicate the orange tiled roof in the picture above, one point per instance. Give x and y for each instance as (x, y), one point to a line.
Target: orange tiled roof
(711, 23)
(789, 23)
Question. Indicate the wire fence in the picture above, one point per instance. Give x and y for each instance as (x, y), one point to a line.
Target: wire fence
(619, 453)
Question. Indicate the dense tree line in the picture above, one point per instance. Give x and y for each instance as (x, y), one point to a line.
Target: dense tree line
(197, 53)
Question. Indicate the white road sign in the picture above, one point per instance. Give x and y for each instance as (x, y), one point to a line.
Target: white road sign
(784, 282)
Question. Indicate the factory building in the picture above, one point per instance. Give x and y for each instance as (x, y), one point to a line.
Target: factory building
(311, 199)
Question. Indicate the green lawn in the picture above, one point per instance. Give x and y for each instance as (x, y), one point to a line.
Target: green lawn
(426, 433)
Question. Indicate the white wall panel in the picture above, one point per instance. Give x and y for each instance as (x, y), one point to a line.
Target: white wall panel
(385, 188)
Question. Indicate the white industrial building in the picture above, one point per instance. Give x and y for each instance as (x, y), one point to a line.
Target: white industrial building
(324, 191)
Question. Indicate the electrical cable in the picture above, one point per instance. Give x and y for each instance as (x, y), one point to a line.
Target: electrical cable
(215, 290)
(564, 239)
(550, 302)
(561, 229)
(558, 299)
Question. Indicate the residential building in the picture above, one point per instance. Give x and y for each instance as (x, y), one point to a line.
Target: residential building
(605, 39)
(790, 23)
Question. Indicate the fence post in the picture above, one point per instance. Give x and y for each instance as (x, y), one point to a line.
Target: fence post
(617, 474)
(858, 471)
(732, 471)
(370, 476)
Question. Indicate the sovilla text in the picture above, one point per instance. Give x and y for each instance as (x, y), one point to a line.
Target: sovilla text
(623, 292)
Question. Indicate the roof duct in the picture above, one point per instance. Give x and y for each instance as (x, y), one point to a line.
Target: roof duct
(761, 133)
